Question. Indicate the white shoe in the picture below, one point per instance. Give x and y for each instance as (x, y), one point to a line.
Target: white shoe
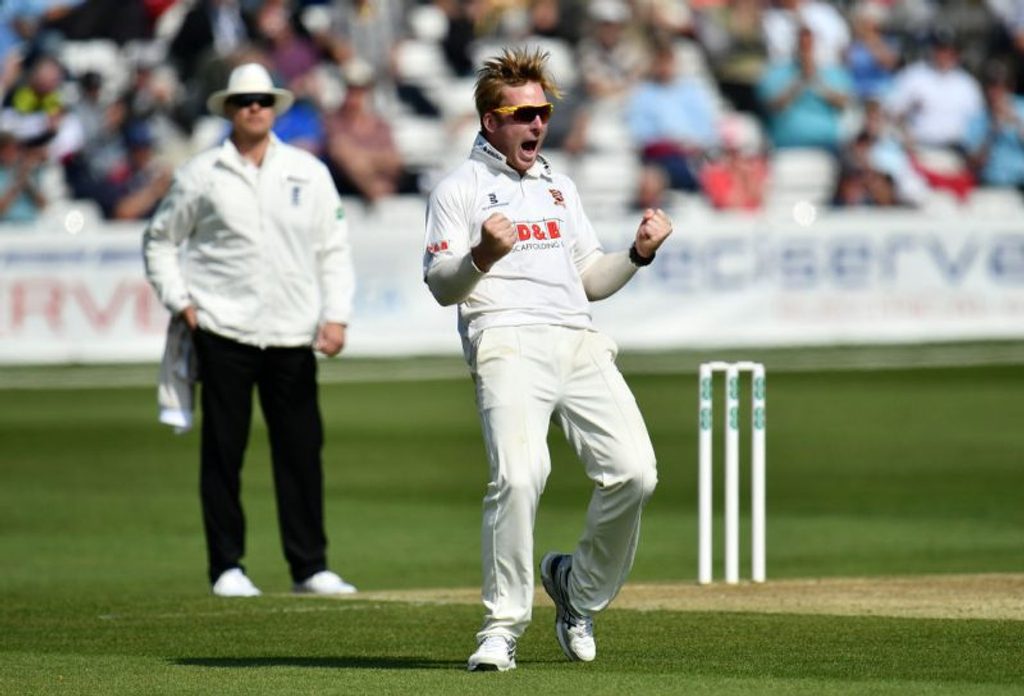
(234, 583)
(494, 654)
(575, 631)
(323, 583)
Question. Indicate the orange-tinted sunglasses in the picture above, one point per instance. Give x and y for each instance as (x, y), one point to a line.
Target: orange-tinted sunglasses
(525, 113)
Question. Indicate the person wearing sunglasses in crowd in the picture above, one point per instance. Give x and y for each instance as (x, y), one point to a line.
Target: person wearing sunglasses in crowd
(507, 240)
(267, 280)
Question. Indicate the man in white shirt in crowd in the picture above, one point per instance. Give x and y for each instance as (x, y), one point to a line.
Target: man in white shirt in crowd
(267, 279)
(935, 98)
(508, 241)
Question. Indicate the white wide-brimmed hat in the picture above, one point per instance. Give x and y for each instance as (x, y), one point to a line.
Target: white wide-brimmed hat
(609, 11)
(250, 78)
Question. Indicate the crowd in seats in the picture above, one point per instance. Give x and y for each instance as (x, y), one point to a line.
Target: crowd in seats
(741, 104)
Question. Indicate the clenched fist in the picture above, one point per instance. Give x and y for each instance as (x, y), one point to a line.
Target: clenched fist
(330, 338)
(655, 227)
(497, 237)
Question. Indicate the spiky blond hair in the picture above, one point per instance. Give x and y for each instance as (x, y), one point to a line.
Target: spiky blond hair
(514, 67)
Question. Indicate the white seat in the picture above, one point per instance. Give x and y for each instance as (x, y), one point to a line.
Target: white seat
(606, 181)
(422, 63)
(98, 55)
(801, 174)
(995, 202)
(940, 160)
(72, 215)
(421, 141)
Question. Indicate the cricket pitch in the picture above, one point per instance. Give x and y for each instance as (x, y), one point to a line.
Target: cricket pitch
(996, 596)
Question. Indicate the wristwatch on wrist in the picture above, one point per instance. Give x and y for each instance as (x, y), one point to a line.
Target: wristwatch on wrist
(637, 260)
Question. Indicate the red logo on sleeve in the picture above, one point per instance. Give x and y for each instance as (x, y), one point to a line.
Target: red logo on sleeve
(437, 247)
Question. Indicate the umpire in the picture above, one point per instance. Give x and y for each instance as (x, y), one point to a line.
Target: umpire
(266, 278)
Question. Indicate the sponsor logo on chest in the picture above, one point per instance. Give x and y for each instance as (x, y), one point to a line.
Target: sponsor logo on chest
(541, 230)
(538, 235)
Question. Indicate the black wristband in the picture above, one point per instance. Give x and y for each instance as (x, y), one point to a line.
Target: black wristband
(637, 260)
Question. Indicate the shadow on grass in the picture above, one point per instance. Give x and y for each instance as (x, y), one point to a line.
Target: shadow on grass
(321, 662)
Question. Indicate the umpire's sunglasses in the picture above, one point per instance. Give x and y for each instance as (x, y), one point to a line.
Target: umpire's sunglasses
(244, 101)
(525, 113)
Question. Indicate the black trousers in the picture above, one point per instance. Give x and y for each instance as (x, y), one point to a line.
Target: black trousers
(285, 379)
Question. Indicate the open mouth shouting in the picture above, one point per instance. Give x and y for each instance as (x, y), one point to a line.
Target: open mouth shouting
(518, 126)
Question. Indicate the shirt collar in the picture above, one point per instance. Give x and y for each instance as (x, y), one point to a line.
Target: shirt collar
(231, 157)
(484, 152)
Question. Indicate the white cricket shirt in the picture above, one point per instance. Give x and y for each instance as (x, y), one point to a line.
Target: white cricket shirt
(538, 282)
(267, 255)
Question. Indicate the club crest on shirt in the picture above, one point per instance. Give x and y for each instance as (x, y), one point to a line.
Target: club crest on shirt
(557, 195)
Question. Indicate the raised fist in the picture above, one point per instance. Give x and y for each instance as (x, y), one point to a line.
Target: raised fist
(497, 237)
(655, 227)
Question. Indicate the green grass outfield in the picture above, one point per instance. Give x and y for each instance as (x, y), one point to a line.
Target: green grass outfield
(872, 473)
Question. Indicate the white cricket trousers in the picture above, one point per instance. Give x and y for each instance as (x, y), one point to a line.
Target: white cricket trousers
(524, 375)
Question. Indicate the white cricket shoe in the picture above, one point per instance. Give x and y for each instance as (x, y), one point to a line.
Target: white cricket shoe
(323, 583)
(234, 583)
(575, 631)
(494, 654)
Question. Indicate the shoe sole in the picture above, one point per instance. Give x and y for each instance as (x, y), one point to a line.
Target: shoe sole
(548, 580)
(491, 667)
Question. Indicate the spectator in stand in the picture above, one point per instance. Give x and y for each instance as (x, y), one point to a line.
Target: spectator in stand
(872, 57)
(736, 177)
(733, 38)
(19, 24)
(103, 158)
(673, 121)
(805, 101)
(292, 54)
(212, 31)
(82, 20)
(889, 155)
(461, 33)
(665, 19)
(611, 61)
(90, 106)
(784, 19)
(1007, 43)
(372, 31)
(137, 194)
(362, 154)
(994, 141)
(39, 92)
(567, 129)
(21, 199)
(860, 184)
(302, 125)
(934, 98)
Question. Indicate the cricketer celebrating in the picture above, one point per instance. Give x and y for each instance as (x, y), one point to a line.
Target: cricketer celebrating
(508, 241)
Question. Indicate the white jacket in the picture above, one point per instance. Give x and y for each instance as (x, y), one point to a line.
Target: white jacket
(267, 257)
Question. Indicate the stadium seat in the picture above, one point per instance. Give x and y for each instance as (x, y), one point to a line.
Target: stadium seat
(801, 174)
(422, 141)
(995, 202)
(97, 55)
(939, 159)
